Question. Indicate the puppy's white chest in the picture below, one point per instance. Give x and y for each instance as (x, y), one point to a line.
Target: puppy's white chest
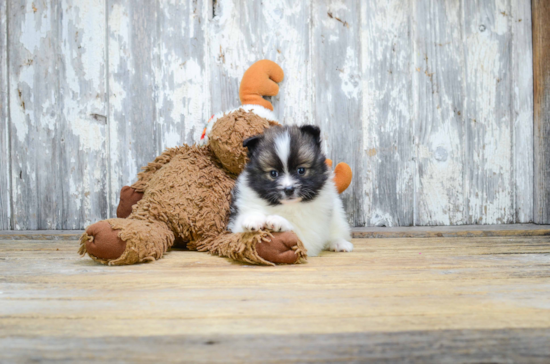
(309, 220)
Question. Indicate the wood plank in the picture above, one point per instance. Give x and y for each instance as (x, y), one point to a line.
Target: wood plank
(463, 297)
(181, 78)
(522, 109)
(388, 153)
(5, 190)
(33, 79)
(488, 123)
(439, 101)
(336, 70)
(541, 71)
(57, 108)
(83, 89)
(441, 346)
(241, 33)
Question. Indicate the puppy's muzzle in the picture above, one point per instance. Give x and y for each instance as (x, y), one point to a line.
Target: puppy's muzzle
(289, 191)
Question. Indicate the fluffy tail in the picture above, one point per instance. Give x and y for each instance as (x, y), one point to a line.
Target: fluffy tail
(260, 80)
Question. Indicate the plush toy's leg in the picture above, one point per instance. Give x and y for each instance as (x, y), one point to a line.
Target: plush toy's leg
(128, 198)
(257, 248)
(126, 241)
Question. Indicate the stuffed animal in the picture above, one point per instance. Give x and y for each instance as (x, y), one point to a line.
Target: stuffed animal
(183, 196)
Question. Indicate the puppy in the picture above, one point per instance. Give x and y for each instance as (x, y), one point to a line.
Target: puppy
(287, 185)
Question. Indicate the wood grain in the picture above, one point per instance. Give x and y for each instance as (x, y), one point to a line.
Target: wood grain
(57, 113)
(486, 114)
(182, 82)
(336, 70)
(441, 346)
(471, 296)
(541, 71)
(33, 36)
(5, 198)
(388, 153)
(439, 128)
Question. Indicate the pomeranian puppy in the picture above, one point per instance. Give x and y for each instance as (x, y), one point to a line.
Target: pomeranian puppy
(287, 185)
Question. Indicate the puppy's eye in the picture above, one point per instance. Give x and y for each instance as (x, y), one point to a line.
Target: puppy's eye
(301, 170)
(274, 173)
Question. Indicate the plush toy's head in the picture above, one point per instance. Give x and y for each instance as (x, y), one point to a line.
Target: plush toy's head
(226, 132)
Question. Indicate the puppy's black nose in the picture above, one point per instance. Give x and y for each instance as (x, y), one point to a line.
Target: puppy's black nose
(289, 190)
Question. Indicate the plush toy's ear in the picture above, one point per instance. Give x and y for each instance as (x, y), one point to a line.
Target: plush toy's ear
(312, 130)
(251, 143)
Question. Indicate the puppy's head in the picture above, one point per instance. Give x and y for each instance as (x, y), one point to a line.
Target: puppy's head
(286, 164)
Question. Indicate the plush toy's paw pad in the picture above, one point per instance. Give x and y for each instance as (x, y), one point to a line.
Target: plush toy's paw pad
(253, 222)
(104, 242)
(277, 223)
(340, 245)
(281, 249)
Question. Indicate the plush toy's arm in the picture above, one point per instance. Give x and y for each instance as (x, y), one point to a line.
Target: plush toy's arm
(342, 175)
(128, 198)
(262, 247)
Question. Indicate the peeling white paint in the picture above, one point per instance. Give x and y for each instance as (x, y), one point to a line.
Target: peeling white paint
(349, 74)
(35, 29)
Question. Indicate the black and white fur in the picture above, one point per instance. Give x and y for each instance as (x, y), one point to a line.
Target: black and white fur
(287, 186)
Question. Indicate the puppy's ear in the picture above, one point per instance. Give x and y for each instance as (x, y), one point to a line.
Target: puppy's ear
(251, 143)
(312, 130)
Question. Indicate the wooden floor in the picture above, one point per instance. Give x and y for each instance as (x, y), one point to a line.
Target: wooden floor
(443, 300)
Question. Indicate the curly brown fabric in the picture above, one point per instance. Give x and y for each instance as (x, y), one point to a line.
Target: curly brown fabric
(149, 170)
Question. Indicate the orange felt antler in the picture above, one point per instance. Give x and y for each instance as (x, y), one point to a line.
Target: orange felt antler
(342, 175)
(260, 80)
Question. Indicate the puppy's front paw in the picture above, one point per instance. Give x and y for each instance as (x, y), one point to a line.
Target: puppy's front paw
(340, 245)
(253, 222)
(277, 223)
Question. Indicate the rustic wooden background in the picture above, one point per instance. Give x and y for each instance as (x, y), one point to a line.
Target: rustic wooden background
(429, 101)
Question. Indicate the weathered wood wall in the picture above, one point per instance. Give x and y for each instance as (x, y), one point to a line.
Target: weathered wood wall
(430, 102)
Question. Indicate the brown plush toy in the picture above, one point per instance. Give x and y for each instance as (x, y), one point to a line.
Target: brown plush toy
(184, 194)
